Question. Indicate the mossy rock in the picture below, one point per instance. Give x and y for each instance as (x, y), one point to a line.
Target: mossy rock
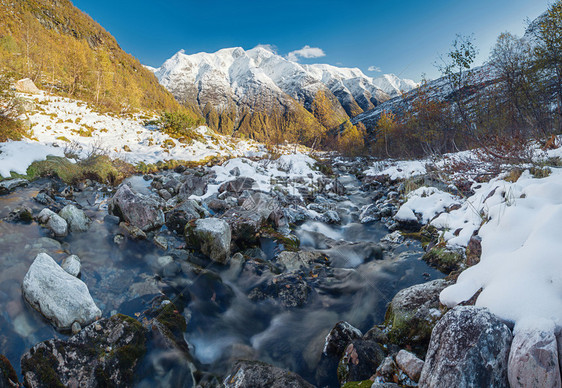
(413, 313)
(8, 376)
(103, 354)
(428, 235)
(444, 260)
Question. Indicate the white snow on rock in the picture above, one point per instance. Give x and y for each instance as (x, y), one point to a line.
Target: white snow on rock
(266, 171)
(428, 202)
(520, 270)
(62, 298)
(395, 170)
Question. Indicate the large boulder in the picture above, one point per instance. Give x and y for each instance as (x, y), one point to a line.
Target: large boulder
(469, 348)
(26, 85)
(413, 312)
(76, 219)
(245, 224)
(103, 354)
(533, 360)
(137, 209)
(62, 298)
(212, 236)
(257, 374)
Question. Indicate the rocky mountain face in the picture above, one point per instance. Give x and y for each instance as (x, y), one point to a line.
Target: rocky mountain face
(257, 92)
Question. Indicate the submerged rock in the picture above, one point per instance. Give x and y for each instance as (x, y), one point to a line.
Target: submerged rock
(101, 355)
(62, 298)
(257, 374)
(212, 236)
(289, 289)
(53, 221)
(137, 209)
(533, 360)
(413, 312)
(10, 185)
(469, 348)
(76, 219)
(72, 265)
(294, 261)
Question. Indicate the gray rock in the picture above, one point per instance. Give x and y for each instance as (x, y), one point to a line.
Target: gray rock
(58, 225)
(237, 185)
(62, 298)
(10, 185)
(193, 185)
(395, 237)
(413, 313)
(410, 364)
(294, 261)
(103, 354)
(212, 236)
(388, 368)
(165, 194)
(72, 265)
(76, 219)
(137, 209)
(44, 215)
(257, 374)
(245, 224)
(469, 348)
(533, 360)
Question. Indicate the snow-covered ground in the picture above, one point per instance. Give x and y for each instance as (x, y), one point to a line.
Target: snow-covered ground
(520, 223)
(61, 124)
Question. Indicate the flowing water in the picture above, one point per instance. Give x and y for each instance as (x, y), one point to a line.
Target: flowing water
(223, 323)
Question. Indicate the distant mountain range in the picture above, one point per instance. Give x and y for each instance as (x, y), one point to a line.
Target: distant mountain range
(253, 91)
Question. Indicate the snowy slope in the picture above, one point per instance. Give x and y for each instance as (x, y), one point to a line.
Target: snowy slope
(61, 124)
(259, 78)
(395, 86)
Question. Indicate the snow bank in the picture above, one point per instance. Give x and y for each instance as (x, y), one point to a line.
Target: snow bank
(520, 270)
(428, 202)
(17, 156)
(402, 169)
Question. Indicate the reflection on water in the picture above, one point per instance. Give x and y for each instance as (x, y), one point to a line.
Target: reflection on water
(223, 324)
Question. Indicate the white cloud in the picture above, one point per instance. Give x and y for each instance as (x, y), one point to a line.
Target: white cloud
(306, 52)
(268, 47)
(374, 68)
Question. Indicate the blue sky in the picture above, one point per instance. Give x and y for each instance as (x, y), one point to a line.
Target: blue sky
(402, 37)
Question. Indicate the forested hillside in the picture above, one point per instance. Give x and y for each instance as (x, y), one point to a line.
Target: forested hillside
(64, 51)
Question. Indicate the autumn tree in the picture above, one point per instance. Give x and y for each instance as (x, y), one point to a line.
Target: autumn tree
(548, 50)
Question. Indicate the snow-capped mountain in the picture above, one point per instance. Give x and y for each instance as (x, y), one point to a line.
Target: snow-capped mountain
(395, 86)
(258, 80)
